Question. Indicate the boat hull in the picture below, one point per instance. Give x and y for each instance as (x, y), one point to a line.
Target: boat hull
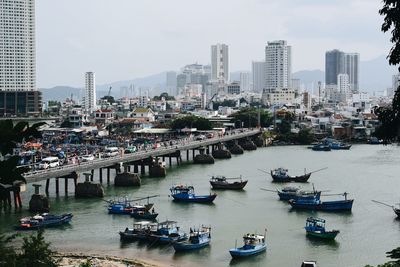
(242, 253)
(195, 199)
(228, 186)
(285, 179)
(340, 205)
(150, 216)
(323, 235)
(184, 246)
(63, 219)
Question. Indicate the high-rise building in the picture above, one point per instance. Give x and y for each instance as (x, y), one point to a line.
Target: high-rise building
(18, 58)
(343, 86)
(220, 63)
(338, 62)
(90, 92)
(278, 65)
(296, 85)
(258, 72)
(171, 82)
(245, 81)
(351, 63)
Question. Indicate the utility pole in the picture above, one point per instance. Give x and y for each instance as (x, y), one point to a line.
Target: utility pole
(319, 94)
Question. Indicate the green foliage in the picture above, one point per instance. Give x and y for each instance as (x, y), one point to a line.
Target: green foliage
(8, 256)
(36, 252)
(165, 95)
(66, 124)
(110, 99)
(393, 254)
(390, 116)
(53, 103)
(191, 122)
(87, 263)
(249, 117)
(305, 136)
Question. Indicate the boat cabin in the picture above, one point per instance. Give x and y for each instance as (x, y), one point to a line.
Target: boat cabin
(253, 239)
(182, 189)
(309, 264)
(315, 224)
(167, 227)
(280, 171)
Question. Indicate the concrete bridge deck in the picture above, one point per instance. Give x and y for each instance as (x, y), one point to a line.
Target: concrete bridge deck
(40, 175)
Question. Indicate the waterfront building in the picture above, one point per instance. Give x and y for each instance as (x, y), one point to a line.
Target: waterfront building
(338, 62)
(280, 96)
(19, 95)
(278, 65)
(220, 63)
(245, 81)
(90, 92)
(258, 72)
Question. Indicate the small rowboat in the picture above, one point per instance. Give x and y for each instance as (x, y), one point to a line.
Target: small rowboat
(222, 182)
(183, 193)
(197, 239)
(315, 227)
(253, 245)
(43, 220)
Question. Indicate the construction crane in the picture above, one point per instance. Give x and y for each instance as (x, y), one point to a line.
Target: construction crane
(109, 91)
(210, 101)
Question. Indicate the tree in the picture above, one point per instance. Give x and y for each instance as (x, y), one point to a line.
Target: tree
(7, 252)
(191, 122)
(305, 136)
(165, 95)
(390, 116)
(249, 117)
(393, 254)
(36, 252)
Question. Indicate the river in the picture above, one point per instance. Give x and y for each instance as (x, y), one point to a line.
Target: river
(367, 172)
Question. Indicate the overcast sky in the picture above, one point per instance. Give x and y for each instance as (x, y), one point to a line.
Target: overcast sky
(126, 39)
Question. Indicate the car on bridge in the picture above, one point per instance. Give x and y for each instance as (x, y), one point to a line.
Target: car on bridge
(49, 162)
(111, 152)
(86, 158)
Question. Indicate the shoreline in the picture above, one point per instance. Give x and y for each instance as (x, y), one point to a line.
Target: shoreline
(72, 259)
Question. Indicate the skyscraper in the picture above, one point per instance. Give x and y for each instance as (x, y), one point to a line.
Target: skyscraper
(90, 92)
(338, 62)
(245, 81)
(258, 72)
(278, 65)
(220, 63)
(18, 94)
(18, 53)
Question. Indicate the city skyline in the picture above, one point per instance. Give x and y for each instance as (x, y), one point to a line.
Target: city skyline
(311, 27)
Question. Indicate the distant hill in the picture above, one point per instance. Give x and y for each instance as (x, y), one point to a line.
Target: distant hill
(60, 93)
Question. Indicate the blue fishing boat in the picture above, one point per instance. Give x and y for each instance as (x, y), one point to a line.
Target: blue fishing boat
(321, 147)
(315, 227)
(295, 193)
(317, 204)
(168, 232)
(197, 239)
(282, 175)
(143, 214)
(253, 245)
(339, 146)
(125, 206)
(184, 193)
(140, 231)
(43, 220)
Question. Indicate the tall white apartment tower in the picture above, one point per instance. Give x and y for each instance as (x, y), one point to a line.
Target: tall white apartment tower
(258, 72)
(278, 65)
(90, 92)
(17, 45)
(220, 63)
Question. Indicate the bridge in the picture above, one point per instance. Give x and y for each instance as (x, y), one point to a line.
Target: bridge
(40, 175)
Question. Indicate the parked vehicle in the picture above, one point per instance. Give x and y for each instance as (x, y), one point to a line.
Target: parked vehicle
(111, 152)
(130, 149)
(88, 157)
(49, 162)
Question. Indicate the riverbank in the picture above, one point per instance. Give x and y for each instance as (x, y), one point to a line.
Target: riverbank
(75, 259)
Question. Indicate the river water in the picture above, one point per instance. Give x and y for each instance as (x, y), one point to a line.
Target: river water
(367, 172)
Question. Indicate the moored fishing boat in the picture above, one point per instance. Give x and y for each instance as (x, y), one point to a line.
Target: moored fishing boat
(222, 182)
(253, 244)
(317, 204)
(321, 147)
(340, 146)
(197, 239)
(140, 231)
(43, 220)
(144, 214)
(184, 193)
(295, 193)
(395, 210)
(125, 206)
(168, 232)
(282, 175)
(315, 227)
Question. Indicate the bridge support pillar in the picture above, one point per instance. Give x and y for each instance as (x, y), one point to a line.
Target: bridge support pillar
(108, 175)
(170, 161)
(66, 186)
(57, 186)
(193, 153)
(142, 169)
(47, 186)
(101, 175)
(187, 155)
(136, 168)
(92, 176)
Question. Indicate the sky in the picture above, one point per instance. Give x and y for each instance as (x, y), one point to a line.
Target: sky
(126, 39)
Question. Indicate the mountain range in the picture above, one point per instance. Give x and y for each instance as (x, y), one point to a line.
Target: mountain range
(375, 75)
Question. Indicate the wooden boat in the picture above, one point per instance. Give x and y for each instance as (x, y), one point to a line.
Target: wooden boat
(309, 264)
(281, 175)
(288, 193)
(125, 206)
(168, 232)
(197, 239)
(43, 220)
(395, 210)
(317, 204)
(140, 231)
(184, 193)
(253, 245)
(221, 182)
(315, 227)
(143, 214)
(321, 147)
